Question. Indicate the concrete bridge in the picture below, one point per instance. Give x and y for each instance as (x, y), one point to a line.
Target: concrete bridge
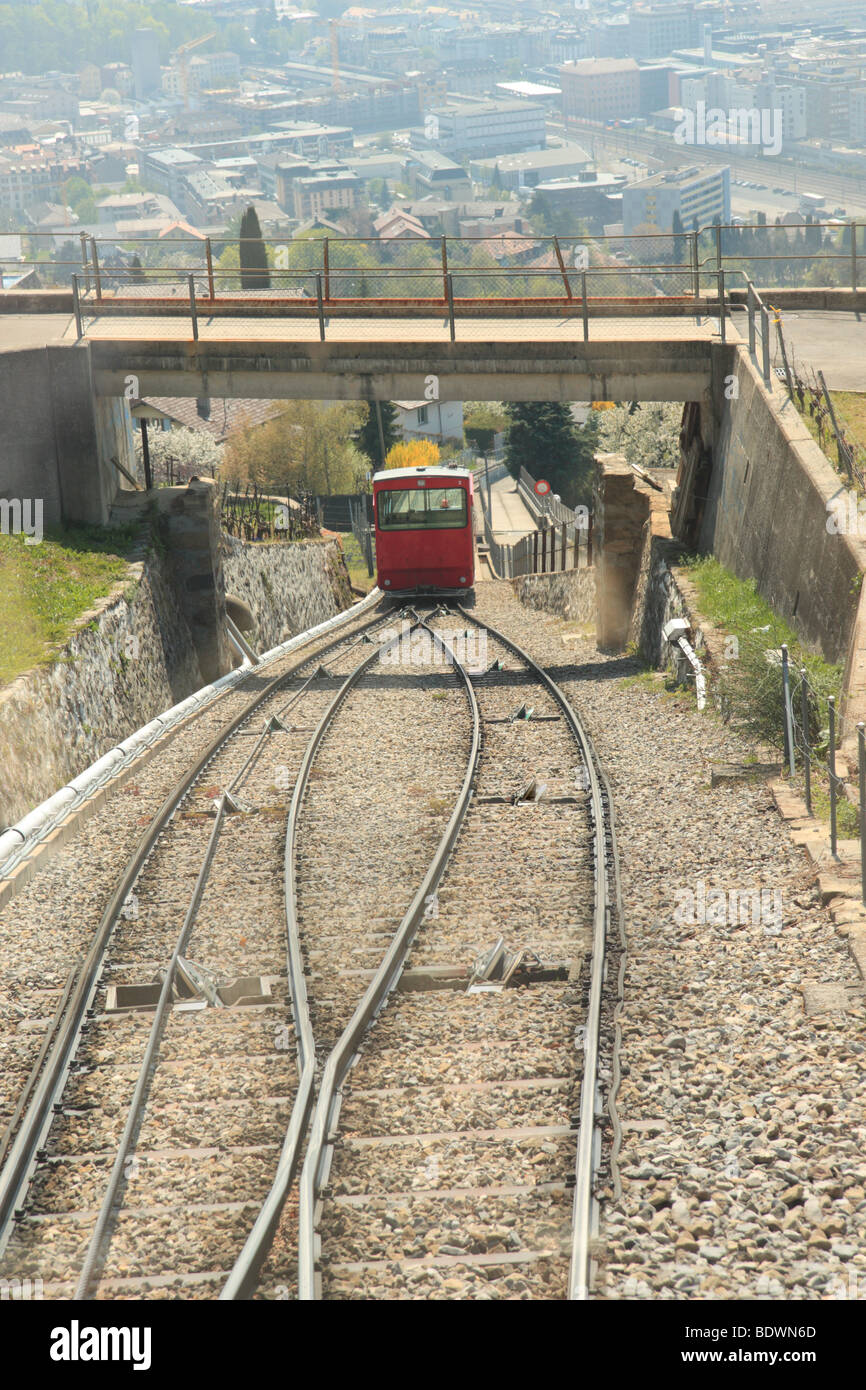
(753, 486)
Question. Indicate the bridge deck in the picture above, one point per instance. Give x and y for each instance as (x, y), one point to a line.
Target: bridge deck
(396, 330)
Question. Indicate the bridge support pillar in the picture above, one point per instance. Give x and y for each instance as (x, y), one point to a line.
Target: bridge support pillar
(620, 514)
(56, 438)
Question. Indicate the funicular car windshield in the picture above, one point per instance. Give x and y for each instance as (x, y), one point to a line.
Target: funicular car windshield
(421, 509)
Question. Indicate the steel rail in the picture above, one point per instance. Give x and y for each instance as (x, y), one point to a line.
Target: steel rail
(242, 1280)
(22, 1156)
(585, 1209)
(149, 1060)
(319, 1148)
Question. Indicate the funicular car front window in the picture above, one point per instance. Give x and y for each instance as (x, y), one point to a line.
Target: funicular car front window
(421, 509)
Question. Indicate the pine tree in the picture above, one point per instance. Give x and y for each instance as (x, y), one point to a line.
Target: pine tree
(368, 438)
(136, 272)
(679, 245)
(543, 439)
(253, 254)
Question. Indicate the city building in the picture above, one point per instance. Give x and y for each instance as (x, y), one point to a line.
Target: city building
(527, 170)
(432, 172)
(600, 89)
(145, 63)
(316, 194)
(595, 200)
(166, 169)
(485, 127)
(32, 175)
(698, 195)
(654, 31)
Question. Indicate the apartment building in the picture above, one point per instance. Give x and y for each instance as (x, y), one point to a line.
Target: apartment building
(32, 176)
(600, 89)
(697, 195)
(485, 127)
(316, 194)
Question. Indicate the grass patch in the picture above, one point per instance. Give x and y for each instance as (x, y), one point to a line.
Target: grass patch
(355, 562)
(45, 587)
(750, 684)
(847, 822)
(850, 407)
(649, 681)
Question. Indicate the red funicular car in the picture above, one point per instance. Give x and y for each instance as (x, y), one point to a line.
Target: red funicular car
(424, 540)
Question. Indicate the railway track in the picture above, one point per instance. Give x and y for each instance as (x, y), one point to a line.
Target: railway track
(430, 1155)
(385, 1210)
(74, 1141)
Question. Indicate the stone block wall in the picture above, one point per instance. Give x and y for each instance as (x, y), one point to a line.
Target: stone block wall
(571, 594)
(289, 586)
(620, 513)
(129, 657)
(189, 520)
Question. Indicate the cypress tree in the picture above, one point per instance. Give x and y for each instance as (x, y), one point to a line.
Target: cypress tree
(367, 436)
(253, 254)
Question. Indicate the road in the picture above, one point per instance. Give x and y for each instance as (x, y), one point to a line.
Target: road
(832, 343)
(511, 518)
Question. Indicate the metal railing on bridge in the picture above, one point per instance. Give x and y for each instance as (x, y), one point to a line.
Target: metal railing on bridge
(328, 276)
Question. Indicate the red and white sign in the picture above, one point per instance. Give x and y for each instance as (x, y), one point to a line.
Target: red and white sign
(542, 487)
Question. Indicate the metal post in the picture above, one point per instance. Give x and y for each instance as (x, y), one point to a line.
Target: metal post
(487, 481)
(718, 246)
(85, 263)
(544, 551)
(321, 306)
(563, 272)
(765, 344)
(750, 306)
(564, 542)
(210, 281)
(326, 266)
(789, 720)
(781, 337)
(831, 759)
(444, 269)
(145, 454)
(449, 286)
(192, 308)
(861, 768)
(583, 306)
(842, 451)
(535, 552)
(722, 305)
(96, 276)
(696, 274)
(807, 751)
(853, 255)
(76, 304)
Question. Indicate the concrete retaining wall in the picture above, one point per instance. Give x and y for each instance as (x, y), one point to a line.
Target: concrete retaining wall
(766, 514)
(289, 586)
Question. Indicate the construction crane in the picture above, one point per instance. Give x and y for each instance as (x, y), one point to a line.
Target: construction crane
(182, 54)
(336, 24)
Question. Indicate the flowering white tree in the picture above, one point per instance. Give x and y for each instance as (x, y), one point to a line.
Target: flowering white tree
(180, 454)
(650, 436)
